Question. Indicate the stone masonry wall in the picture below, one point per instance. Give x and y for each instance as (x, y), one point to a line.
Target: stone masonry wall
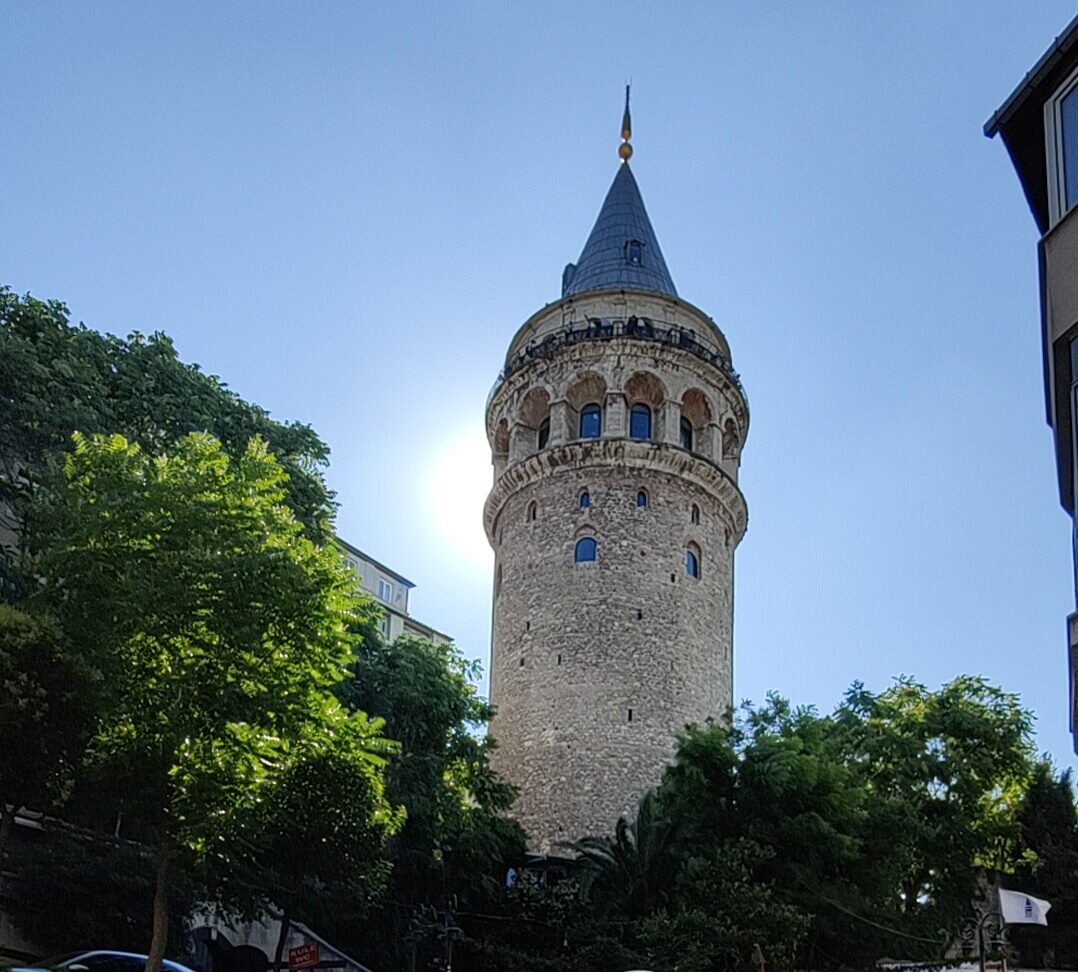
(596, 666)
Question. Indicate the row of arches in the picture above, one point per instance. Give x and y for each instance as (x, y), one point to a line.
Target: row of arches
(643, 413)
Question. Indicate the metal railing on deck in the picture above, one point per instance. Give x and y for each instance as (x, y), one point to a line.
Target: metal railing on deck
(606, 329)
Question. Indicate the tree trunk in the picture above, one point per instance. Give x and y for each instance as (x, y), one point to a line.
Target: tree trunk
(7, 821)
(160, 911)
(282, 937)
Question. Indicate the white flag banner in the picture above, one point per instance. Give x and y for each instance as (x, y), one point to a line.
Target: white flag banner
(1019, 908)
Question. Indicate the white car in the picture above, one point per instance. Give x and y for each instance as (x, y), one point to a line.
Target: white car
(99, 960)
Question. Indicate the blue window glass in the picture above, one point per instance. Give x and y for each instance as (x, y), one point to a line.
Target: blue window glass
(591, 422)
(585, 550)
(686, 434)
(642, 500)
(1068, 117)
(640, 422)
(585, 500)
(692, 564)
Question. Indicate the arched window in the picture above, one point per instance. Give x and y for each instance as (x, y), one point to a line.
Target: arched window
(694, 514)
(692, 564)
(634, 253)
(585, 500)
(544, 432)
(531, 511)
(642, 500)
(686, 434)
(640, 422)
(585, 550)
(591, 421)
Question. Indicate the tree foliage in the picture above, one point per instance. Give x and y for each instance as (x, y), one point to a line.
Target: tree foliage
(46, 692)
(812, 841)
(1047, 867)
(457, 842)
(311, 847)
(220, 627)
(57, 378)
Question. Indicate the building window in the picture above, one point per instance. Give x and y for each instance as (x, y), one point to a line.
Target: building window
(634, 253)
(640, 422)
(694, 514)
(686, 434)
(1061, 126)
(642, 500)
(585, 550)
(692, 564)
(531, 511)
(385, 590)
(591, 422)
(585, 500)
(544, 433)
(383, 626)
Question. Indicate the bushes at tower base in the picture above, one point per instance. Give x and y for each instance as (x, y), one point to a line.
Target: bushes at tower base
(810, 841)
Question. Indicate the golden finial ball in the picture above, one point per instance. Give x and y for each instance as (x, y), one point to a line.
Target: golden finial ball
(625, 151)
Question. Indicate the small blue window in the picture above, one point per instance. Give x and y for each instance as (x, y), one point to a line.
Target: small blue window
(591, 422)
(686, 434)
(585, 500)
(585, 550)
(642, 500)
(640, 422)
(692, 564)
(634, 253)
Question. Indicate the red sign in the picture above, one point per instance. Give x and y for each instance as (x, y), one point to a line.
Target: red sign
(304, 957)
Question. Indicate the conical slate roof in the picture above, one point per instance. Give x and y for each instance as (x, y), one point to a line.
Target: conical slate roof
(622, 251)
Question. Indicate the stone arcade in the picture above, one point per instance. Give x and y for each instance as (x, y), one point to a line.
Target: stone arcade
(616, 430)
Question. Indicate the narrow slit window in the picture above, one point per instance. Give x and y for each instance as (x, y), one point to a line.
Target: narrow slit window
(585, 500)
(642, 500)
(544, 433)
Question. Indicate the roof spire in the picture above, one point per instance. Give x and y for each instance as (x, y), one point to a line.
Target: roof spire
(625, 150)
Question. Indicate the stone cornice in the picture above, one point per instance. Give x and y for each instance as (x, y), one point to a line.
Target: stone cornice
(626, 453)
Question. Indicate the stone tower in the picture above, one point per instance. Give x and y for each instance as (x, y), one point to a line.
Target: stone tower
(616, 429)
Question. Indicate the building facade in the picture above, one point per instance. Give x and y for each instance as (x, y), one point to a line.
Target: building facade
(616, 430)
(390, 591)
(1039, 126)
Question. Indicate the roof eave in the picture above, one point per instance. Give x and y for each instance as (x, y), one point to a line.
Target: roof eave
(1034, 79)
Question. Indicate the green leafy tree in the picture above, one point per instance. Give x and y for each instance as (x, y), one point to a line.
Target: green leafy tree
(771, 795)
(943, 772)
(631, 873)
(1048, 868)
(220, 628)
(46, 699)
(723, 918)
(311, 847)
(457, 842)
(58, 378)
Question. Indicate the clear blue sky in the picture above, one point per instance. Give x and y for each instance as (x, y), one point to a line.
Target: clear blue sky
(346, 209)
